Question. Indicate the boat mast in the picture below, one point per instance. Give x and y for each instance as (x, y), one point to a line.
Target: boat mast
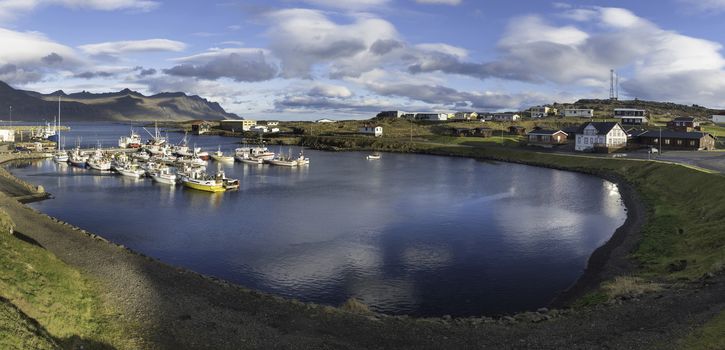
(57, 129)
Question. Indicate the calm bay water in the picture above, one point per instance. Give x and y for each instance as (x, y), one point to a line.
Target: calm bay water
(409, 234)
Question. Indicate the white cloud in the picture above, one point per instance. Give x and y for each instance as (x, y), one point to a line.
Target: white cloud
(455, 51)
(117, 48)
(439, 2)
(239, 64)
(28, 56)
(303, 38)
(10, 9)
(327, 90)
(348, 4)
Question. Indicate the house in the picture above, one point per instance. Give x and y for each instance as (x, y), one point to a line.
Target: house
(260, 129)
(681, 140)
(377, 131)
(465, 116)
(578, 113)
(547, 138)
(7, 135)
(718, 119)
(324, 120)
(484, 117)
(505, 117)
(483, 132)
(461, 132)
(270, 123)
(631, 116)
(600, 136)
(391, 114)
(237, 124)
(200, 127)
(542, 111)
(431, 116)
(517, 130)
(684, 124)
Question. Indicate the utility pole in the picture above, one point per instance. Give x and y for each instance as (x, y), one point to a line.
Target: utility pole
(660, 150)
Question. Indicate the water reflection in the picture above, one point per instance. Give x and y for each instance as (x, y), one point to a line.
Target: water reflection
(406, 234)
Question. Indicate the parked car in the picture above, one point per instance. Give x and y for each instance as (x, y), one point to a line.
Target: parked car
(654, 150)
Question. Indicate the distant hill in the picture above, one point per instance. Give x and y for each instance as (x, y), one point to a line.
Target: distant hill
(655, 109)
(125, 105)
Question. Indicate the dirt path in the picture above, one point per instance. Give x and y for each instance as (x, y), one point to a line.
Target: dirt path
(180, 309)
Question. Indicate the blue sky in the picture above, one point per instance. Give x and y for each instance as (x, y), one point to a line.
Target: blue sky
(348, 59)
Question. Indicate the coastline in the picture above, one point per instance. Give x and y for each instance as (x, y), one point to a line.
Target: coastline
(180, 308)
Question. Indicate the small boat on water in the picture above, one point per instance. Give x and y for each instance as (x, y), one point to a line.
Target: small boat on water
(247, 159)
(77, 158)
(374, 156)
(302, 160)
(130, 170)
(282, 160)
(229, 184)
(220, 157)
(164, 175)
(203, 182)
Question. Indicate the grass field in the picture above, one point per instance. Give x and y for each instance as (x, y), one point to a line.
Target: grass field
(65, 304)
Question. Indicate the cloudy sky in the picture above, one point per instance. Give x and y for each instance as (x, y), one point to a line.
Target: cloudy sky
(300, 59)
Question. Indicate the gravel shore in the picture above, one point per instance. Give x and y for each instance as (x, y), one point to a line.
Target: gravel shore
(180, 309)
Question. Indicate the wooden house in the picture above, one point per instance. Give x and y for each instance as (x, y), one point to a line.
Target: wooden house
(547, 138)
(517, 130)
(677, 140)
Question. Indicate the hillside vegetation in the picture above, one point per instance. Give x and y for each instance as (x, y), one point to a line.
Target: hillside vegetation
(125, 105)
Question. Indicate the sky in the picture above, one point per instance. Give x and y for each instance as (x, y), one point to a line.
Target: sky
(343, 59)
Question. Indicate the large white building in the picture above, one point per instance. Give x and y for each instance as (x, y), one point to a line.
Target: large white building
(609, 135)
(578, 113)
(7, 135)
(506, 117)
(718, 119)
(465, 116)
(541, 111)
(431, 116)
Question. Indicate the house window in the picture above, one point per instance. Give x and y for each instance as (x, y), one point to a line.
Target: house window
(667, 141)
(692, 143)
(679, 142)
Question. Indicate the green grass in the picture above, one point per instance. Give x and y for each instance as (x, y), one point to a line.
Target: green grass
(711, 336)
(58, 297)
(18, 331)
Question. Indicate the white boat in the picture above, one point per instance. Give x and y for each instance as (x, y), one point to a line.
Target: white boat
(142, 156)
(229, 184)
(246, 159)
(131, 141)
(282, 160)
(220, 157)
(373, 156)
(130, 170)
(77, 157)
(156, 138)
(102, 164)
(302, 160)
(164, 175)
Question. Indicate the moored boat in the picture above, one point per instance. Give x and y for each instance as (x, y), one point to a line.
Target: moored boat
(202, 182)
(131, 141)
(164, 175)
(374, 156)
(220, 157)
(130, 170)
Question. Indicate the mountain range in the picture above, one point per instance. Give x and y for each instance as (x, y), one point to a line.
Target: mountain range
(125, 105)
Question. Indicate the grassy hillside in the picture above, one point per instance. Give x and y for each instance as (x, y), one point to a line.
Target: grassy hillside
(37, 287)
(125, 105)
(655, 109)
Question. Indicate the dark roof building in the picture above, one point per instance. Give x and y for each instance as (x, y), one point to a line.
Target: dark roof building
(683, 140)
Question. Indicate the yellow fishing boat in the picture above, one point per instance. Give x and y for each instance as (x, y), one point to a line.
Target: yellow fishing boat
(204, 184)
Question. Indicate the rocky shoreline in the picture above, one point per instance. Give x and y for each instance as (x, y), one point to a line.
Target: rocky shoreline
(177, 308)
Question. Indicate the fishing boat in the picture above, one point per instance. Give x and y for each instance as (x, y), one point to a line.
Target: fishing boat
(302, 160)
(130, 170)
(201, 154)
(78, 158)
(60, 156)
(247, 159)
(220, 157)
(102, 164)
(164, 175)
(156, 138)
(374, 156)
(282, 160)
(131, 141)
(141, 156)
(202, 182)
(229, 184)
